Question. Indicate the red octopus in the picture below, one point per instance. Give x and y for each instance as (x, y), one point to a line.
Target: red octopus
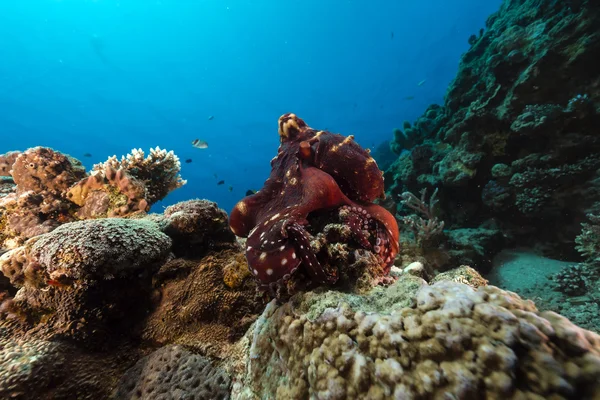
(313, 170)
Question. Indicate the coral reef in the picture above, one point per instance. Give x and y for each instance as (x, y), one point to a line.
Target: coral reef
(425, 230)
(49, 189)
(103, 293)
(453, 341)
(516, 138)
(313, 171)
(86, 251)
(6, 162)
(463, 274)
(172, 372)
(41, 176)
(132, 184)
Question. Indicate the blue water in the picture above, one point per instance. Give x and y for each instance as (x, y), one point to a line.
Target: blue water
(105, 76)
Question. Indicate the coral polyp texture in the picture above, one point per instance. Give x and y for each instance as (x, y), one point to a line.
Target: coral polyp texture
(323, 174)
(452, 342)
(173, 372)
(49, 188)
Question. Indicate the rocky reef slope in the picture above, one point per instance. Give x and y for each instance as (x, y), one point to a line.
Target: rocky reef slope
(515, 145)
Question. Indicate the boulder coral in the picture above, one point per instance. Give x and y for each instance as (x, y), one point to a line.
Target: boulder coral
(78, 280)
(171, 373)
(453, 341)
(196, 226)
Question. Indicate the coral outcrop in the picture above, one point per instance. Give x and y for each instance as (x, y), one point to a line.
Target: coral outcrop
(196, 226)
(452, 341)
(49, 189)
(28, 367)
(78, 280)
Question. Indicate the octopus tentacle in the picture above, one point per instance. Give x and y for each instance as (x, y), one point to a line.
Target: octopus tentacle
(309, 259)
(359, 221)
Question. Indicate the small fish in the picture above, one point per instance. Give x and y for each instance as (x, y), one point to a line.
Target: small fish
(87, 155)
(199, 144)
(220, 183)
(211, 117)
(250, 192)
(409, 98)
(422, 82)
(189, 160)
(230, 188)
(392, 35)
(62, 283)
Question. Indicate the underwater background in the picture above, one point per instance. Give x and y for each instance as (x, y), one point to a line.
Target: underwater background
(325, 201)
(103, 77)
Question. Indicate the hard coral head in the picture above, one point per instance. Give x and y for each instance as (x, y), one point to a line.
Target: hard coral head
(290, 127)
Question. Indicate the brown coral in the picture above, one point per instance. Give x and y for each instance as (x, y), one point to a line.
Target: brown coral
(28, 367)
(197, 226)
(78, 280)
(88, 250)
(207, 303)
(109, 193)
(42, 176)
(6, 162)
(158, 172)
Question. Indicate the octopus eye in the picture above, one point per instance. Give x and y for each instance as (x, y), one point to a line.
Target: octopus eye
(305, 150)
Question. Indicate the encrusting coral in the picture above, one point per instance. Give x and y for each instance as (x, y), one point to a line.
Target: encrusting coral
(206, 304)
(85, 251)
(78, 280)
(28, 367)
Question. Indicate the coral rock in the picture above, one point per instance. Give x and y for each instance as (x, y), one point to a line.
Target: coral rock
(197, 226)
(171, 373)
(453, 341)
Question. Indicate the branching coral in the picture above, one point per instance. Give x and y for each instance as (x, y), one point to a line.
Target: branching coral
(159, 171)
(424, 229)
(575, 280)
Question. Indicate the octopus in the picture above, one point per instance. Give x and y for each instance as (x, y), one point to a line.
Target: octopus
(313, 171)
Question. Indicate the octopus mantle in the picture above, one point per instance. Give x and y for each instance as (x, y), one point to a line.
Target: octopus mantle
(313, 171)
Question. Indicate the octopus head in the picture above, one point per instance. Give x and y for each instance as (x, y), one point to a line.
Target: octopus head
(291, 127)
